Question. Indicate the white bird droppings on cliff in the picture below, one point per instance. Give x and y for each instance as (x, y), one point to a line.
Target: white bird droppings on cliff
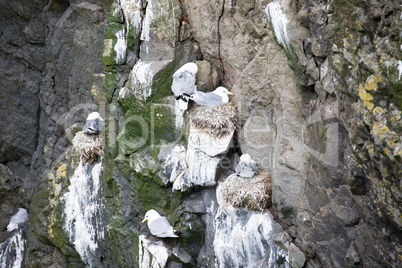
(12, 250)
(152, 253)
(120, 47)
(132, 12)
(146, 24)
(141, 79)
(241, 239)
(279, 22)
(83, 210)
(19, 217)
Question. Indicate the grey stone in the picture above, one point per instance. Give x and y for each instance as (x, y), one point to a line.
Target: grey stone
(257, 138)
(282, 239)
(352, 257)
(296, 257)
(182, 255)
(195, 204)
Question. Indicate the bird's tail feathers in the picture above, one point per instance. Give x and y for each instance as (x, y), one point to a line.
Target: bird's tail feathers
(177, 232)
(181, 97)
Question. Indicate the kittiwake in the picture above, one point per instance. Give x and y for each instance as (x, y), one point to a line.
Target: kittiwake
(184, 83)
(215, 98)
(158, 225)
(94, 124)
(247, 167)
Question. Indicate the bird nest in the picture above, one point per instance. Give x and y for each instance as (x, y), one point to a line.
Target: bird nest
(251, 193)
(219, 120)
(90, 147)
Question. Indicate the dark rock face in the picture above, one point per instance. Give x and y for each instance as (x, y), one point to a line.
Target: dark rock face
(48, 57)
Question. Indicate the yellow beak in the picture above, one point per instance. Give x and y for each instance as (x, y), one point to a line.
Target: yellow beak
(144, 220)
(230, 93)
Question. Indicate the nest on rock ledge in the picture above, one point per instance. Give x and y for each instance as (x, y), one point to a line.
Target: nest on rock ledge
(252, 193)
(90, 147)
(220, 120)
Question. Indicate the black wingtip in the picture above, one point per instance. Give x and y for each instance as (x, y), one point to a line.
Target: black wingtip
(176, 232)
(180, 97)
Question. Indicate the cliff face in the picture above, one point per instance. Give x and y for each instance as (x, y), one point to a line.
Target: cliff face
(317, 104)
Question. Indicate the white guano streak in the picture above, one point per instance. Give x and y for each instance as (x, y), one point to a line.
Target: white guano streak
(12, 254)
(120, 47)
(19, 217)
(142, 77)
(132, 12)
(152, 253)
(146, 24)
(15, 248)
(83, 211)
(244, 243)
(279, 22)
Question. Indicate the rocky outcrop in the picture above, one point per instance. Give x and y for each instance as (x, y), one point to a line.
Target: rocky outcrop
(317, 95)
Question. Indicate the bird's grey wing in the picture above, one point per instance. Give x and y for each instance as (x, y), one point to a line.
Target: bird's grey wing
(239, 167)
(159, 226)
(208, 99)
(183, 82)
(253, 166)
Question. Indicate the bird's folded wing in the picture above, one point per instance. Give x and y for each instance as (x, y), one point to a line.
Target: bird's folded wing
(254, 166)
(209, 99)
(239, 167)
(183, 83)
(159, 225)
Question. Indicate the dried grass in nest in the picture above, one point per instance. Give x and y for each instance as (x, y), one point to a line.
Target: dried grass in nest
(219, 120)
(251, 193)
(89, 146)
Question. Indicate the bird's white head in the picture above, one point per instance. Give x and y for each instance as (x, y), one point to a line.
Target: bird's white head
(151, 214)
(193, 68)
(245, 158)
(222, 91)
(94, 115)
(190, 67)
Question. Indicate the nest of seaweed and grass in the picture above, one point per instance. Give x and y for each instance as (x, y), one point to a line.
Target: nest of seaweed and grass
(219, 120)
(252, 193)
(90, 147)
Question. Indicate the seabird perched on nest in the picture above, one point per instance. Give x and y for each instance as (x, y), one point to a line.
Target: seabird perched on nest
(94, 124)
(184, 83)
(215, 98)
(90, 142)
(158, 225)
(247, 167)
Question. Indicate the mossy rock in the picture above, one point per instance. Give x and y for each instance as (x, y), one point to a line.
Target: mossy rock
(115, 13)
(46, 206)
(148, 125)
(193, 232)
(166, 25)
(124, 244)
(109, 54)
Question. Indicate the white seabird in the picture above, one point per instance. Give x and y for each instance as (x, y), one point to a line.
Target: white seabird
(215, 98)
(94, 124)
(158, 225)
(184, 83)
(247, 167)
